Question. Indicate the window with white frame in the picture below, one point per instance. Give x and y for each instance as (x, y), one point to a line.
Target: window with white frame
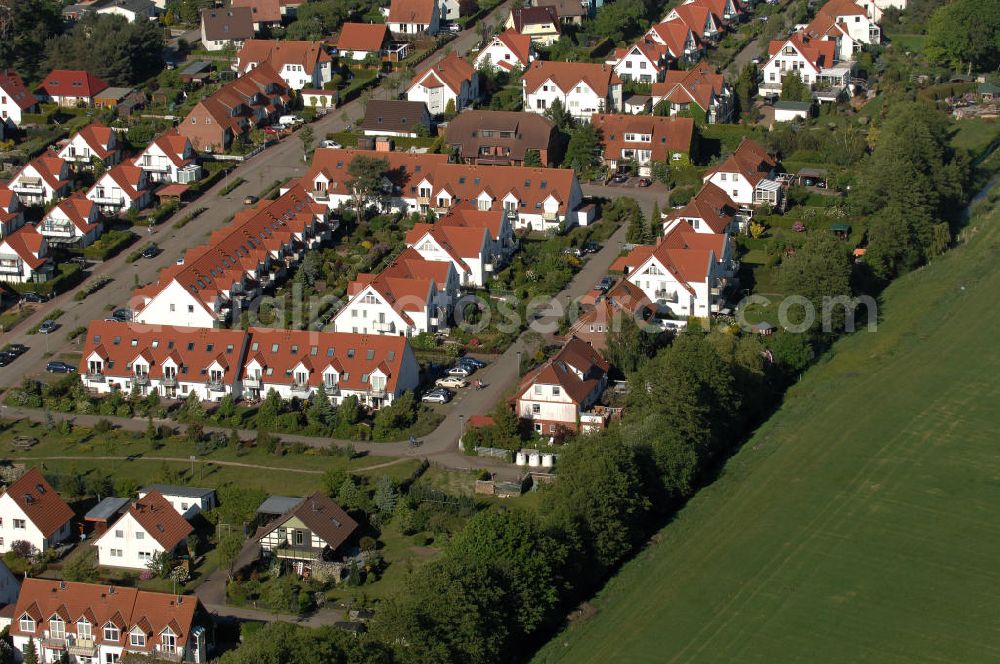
(111, 632)
(27, 623)
(137, 639)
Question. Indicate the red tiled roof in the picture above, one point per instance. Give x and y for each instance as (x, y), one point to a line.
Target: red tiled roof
(405, 168)
(362, 37)
(159, 518)
(411, 11)
(674, 33)
(750, 160)
(98, 138)
(406, 283)
(27, 243)
(819, 53)
(71, 83)
(129, 178)
(694, 16)
(174, 146)
(459, 242)
(669, 134)
(565, 75)
(578, 368)
(712, 205)
(467, 215)
(450, 71)
(519, 45)
(307, 54)
(13, 87)
(50, 168)
(100, 604)
(40, 502)
(264, 11)
(79, 210)
(696, 85)
(842, 8)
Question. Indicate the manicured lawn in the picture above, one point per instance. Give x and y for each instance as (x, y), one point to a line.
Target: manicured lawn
(911, 43)
(975, 134)
(859, 523)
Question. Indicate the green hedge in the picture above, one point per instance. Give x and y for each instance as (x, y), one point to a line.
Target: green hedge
(186, 219)
(231, 186)
(109, 244)
(70, 274)
(350, 140)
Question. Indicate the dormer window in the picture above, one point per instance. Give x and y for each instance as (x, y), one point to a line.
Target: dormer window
(111, 632)
(57, 628)
(137, 639)
(27, 623)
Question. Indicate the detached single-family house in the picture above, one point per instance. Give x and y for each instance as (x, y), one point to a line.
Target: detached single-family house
(100, 623)
(358, 41)
(711, 210)
(557, 395)
(73, 221)
(375, 369)
(41, 181)
(643, 139)
(451, 80)
(11, 211)
(747, 176)
(131, 10)
(723, 11)
(503, 138)
(507, 51)
(540, 24)
(31, 511)
(683, 44)
(316, 529)
(187, 500)
(95, 141)
(800, 54)
(15, 99)
(570, 12)
(875, 8)
(122, 189)
(410, 296)
(268, 13)
(624, 300)
(395, 117)
(698, 18)
(847, 23)
(469, 246)
(169, 157)
(24, 257)
(582, 88)
(684, 274)
(414, 17)
(70, 87)
(699, 92)
(151, 526)
(301, 64)
(225, 26)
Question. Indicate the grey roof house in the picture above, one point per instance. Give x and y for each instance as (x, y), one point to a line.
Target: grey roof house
(226, 25)
(396, 118)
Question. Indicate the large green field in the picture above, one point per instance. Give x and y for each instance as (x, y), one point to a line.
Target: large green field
(861, 523)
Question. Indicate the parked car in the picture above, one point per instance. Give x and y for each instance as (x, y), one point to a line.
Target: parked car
(475, 362)
(330, 144)
(437, 395)
(604, 284)
(16, 349)
(453, 28)
(123, 314)
(272, 130)
(573, 251)
(453, 382)
(32, 298)
(620, 178)
(59, 367)
(6, 358)
(645, 182)
(250, 200)
(290, 120)
(461, 371)
(48, 326)
(591, 247)
(151, 251)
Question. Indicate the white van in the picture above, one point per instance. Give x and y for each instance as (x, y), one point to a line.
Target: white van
(290, 120)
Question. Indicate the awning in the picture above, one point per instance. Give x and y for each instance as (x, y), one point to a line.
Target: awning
(768, 185)
(173, 190)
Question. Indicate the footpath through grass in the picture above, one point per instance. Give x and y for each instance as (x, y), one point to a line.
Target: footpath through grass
(860, 524)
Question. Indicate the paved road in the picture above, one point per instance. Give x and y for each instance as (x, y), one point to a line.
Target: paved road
(758, 46)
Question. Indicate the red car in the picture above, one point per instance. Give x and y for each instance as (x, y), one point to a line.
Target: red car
(645, 182)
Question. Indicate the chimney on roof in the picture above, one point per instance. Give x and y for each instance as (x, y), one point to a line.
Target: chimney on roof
(62, 585)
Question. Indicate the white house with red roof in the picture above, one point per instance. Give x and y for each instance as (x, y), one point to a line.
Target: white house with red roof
(15, 99)
(124, 188)
(557, 395)
(357, 41)
(414, 17)
(683, 274)
(301, 64)
(645, 61)
(507, 51)
(374, 368)
(42, 180)
(24, 257)
(151, 526)
(32, 511)
(100, 623)
(11, 211)
(725, 11)
(476, 242)
(173, 361)
(699, 87)
(70, 87)
(93, 141)
(411, 295)
(698, 18)
(450, 80)
(711, 210)
(800, 54)
(846, 23)
(582, 88)
(73, 221)
(747, 176)
(875, 8)
(643, 139)
(169, 157)
(683, 44)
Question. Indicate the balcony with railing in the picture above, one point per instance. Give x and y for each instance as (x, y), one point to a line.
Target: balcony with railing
(320, 196)
(376, 394)
(83, 647)
(57, 230)
(665, 295)
(253, 383)
(29, 186)
(215, 385)
(10, 266)
(169, 381)
(175, 655)
(550, 216)
(141, 379)
(298, 552)
(94, 377)
(301, 388)
(385, 327)
(332, 389)
(54, 643)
